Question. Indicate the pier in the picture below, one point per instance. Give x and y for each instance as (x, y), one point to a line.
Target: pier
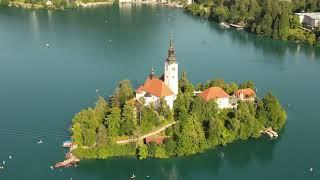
(236, 26)
(70, 159)
(270, 132)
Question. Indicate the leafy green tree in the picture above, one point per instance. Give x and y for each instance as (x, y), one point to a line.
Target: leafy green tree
(149, 119)
(247, 84)
(274, 112)
(160, 152)
(192, 138)
(76, 131)
(101, 109)
(102, 136)
(113, 122)
(142, 151)
(221, 13)
(129, 120)
(170, 147)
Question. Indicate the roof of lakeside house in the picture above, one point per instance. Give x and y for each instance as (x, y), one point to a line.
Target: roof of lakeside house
(156, 87)
(248, 92)
(313, 15)
(157, 140)
(213, 93)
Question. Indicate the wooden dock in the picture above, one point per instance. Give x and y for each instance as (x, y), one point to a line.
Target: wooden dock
(70, 159)
(236, 26)
(270, 132)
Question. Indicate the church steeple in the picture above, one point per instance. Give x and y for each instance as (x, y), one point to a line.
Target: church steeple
(171, 51)
(171, 74)
(152, 74)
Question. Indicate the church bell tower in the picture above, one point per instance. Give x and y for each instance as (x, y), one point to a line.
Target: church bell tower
(171, 78)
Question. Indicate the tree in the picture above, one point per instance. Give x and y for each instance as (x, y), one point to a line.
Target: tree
(160, 152)
(121, 94)
(101, 109)
(76, 132)
(191, 139)
(102, 136)
(247, 84)
(273, 111)
(129, 120)
(170, 147)
(125, 91)
(113, 122)
(221, 13)
(142, 151)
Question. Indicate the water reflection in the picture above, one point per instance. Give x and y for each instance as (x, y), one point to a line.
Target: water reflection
(269, 47)
(208, 164)
(34, 25)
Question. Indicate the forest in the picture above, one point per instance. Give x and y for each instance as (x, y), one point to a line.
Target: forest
(199, 125)
(271, 18)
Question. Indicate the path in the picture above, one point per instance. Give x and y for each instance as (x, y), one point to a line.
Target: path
(146, 135)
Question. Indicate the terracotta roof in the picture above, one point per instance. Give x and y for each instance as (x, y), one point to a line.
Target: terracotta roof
(248, 92)
(155, 87)
(213, 93)
(157, 140)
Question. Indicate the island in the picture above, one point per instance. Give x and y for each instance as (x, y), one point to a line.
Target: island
(168, 116)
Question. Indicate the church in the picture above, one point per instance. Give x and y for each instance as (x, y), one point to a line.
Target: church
(166, 87)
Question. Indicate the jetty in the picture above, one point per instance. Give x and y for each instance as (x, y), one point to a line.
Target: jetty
(224, 25)
(70, 159)
(270, 132)
(236, 26)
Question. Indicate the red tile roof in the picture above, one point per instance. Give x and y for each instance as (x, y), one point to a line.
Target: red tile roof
(248, 92)
(155, 87)
(157, 140)
(213, 93)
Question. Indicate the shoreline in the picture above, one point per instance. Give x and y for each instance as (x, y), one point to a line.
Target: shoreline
(83, 5)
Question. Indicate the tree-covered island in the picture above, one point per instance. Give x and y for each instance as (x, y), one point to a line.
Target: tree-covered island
(167, 116)
(200, 124)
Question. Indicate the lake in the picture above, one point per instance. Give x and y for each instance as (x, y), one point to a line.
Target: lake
(41, 88)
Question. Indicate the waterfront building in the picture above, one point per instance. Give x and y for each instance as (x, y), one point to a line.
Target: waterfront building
(219, 95)
(154, 88)
(310, 19)
(247, 94)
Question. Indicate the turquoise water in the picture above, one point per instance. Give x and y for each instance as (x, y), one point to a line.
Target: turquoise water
(41, 88)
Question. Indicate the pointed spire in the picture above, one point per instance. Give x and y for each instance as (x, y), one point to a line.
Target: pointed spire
(152, 74)
(171, 40)
(171, 51)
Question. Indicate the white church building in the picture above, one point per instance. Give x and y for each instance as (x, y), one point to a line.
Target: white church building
(155, 88)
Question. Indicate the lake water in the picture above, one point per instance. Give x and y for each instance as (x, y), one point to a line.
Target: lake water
(41, 88)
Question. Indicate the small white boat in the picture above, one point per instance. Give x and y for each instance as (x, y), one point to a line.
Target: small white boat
(47, 45)
(97, 90)
(133, 176)
(1, 167)
(39, 142)
(67, 144)
(51, 167)
(3, 162)
(10, 157)
(311, 169)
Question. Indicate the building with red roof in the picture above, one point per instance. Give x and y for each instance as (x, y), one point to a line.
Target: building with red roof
(247, 94)
(153, 89)
(219, 95)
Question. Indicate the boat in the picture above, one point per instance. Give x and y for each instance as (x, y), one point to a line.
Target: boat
(39, 142)
(48, 45)
(67, 144)
(133, 176)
